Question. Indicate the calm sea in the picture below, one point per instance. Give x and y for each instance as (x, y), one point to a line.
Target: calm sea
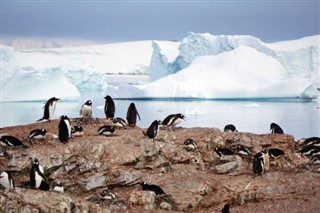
(298, 118)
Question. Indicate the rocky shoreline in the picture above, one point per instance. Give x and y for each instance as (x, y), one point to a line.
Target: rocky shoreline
(195, 181)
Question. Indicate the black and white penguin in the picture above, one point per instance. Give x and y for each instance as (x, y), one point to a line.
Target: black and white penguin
(153, 129)
(106, 130)
(58, 186)
(6, 180)
(107, 194)
(49, 109)
(243, 150)
(37, 178)
(190, 144)
(109, 107)
(119, 122)
(154, 188)
(173, 120)
(315, 160)
(230, 128)
(258, 163)
(309, 150)
(132, 115)
(275, 152)
(86, 110)
(225, 209)
(64, 129)
(77, 131)
(37, 134)
(223, 151)
(314, 141)
(8, 140)
(275, 129)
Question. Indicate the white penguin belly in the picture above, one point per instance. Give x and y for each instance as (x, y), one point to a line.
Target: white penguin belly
(38, 180)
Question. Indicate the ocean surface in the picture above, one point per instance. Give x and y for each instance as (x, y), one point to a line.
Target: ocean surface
(296, 117)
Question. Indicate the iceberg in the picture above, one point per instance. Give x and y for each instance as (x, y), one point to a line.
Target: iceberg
(9, 64)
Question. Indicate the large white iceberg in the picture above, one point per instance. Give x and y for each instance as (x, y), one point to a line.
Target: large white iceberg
(224, 67)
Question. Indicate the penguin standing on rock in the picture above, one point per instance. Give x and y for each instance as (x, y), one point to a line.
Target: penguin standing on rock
(258, 163)
(11, 141)
(109, 107)
(86, 110)
(49, 109)
(6, 180)
(37, 178)
(132, 115)
(230, 128)
(275, 129)
(64, 129)
(153, 129)
(172, 120)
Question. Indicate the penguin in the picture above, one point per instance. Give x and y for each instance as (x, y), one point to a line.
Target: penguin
(315, 159)
(223, 151)
(230, 128)
(173, 120)
(37, 178)
(309, 150)
(58, 186)
(275, 129)
(225, 209)
(64, 129)
(154, 188)
(49, 109)
(190, 144)
(274, 152)
(77, 131)
(86, 110)
(119, 122)
(153, 129)
(266, 160)
(258, 163)
(6, 180)
(106, 130)
(109, 107)
(132, 115)
(37, 134)
(315, 141)
(243, 150)
(107, 194)
(9, 140)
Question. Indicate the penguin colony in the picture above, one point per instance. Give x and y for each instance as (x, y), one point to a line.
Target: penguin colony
(260, 160)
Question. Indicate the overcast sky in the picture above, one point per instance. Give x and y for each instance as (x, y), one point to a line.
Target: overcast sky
(272, 20)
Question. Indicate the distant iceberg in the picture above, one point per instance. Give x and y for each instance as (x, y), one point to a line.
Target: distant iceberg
(229, 67)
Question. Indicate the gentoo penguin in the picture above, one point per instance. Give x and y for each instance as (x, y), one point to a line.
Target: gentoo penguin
(173, 120)
(132, 115)
(106, 130)
(225, 209)
(119, 122)
(49, 109)
(77, 131)
(243, 150)
(154, 188)
(223, 151)
(58, 186)
(6, 180)
(230, 128)
(309, 150)
(86, 110)
(64, 129)
(275, 129)
(190, 144)
(274, 152)
(37, 134)
(107, 194)
(37, 178)
(266, 160)
(258, 163)
(109, 107)
(314, 141)
(8, 140)
(153, 129)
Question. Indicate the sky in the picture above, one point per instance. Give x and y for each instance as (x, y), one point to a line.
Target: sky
(108, 21)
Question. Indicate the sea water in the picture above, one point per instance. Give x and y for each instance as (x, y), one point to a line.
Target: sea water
(299, 118)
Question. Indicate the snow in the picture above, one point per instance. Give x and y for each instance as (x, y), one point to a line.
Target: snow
(201, 65)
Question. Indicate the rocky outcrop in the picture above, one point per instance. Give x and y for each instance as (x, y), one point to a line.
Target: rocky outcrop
(197, 181)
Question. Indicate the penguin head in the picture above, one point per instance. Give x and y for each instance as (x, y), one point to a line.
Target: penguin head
(108, 98)
(88, 103)
(180, 115)
(272, 125)
(64, 117)
(43, 131)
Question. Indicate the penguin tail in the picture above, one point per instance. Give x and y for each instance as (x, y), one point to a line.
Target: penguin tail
(41, 119)
(144, 133)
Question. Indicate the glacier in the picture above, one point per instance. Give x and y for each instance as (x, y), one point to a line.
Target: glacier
(200, 66)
